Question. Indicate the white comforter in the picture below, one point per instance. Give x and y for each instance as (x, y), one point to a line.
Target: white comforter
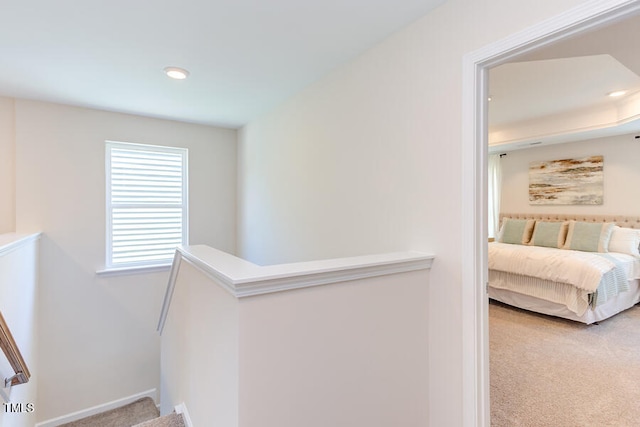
(581, 269)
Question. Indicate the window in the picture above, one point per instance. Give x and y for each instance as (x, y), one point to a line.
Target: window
(147, 203)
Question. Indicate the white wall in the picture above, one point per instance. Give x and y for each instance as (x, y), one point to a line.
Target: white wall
(7, 167)
(621, 175)
(368, 159)
(342, 355)
(98, 340)
(19, 307)
(200, 351)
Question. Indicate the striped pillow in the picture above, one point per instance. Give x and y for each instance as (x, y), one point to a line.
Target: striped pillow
(589, 236)
(549, 234)
(516, 231)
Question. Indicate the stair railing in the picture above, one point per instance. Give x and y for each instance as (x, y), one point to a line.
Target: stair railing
(12, 353)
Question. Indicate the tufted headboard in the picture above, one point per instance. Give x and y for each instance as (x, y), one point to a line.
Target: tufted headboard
(621, 220)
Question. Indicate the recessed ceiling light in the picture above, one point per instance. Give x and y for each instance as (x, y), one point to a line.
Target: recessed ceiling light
(617, 93)
(176, 73)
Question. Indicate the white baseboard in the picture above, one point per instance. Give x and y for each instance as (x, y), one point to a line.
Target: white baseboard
(182, 409)
(153, 393)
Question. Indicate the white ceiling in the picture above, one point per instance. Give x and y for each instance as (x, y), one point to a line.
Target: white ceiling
(245, 56)
(525, 90)
(572, 75)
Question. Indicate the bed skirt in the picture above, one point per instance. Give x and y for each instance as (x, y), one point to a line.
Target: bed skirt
(613, 306)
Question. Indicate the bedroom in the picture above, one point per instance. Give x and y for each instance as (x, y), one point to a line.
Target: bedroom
(563, 135)
(554, 103)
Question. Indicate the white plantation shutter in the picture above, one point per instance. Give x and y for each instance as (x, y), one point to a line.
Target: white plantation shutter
(146, 204)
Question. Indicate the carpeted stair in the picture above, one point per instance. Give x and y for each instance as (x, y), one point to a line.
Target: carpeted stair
(171, 420)
(141, 413)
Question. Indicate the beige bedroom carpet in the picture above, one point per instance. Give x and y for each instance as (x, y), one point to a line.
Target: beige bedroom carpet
(547, 371)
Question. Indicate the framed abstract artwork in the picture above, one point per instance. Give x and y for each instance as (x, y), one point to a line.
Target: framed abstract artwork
(567, 181)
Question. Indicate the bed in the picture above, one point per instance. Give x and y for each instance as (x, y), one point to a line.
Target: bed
(582, 268)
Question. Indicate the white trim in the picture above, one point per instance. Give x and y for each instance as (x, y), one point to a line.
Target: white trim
(244, 279)
(168, 296)
(133, 270)
(475, 357)
(11, 241)
(182, 410)
(250, 279)
(75, 416)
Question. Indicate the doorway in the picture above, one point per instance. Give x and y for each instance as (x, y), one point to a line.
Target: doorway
(476, 410)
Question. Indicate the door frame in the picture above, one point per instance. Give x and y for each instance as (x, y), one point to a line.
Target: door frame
(475, 335)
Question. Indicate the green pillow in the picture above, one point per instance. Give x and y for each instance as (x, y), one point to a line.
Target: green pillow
(549, 234)
(589, 236)
(516, 231)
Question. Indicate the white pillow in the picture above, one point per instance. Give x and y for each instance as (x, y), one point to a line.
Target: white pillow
(625, 241)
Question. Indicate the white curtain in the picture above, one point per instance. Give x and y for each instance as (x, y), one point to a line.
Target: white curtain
(495, 184)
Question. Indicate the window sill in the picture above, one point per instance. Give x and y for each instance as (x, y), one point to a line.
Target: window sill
(119, 271)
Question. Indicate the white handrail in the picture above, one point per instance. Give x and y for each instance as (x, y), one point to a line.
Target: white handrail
(242, 278)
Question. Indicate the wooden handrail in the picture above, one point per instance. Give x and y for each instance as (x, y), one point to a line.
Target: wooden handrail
(12, 352)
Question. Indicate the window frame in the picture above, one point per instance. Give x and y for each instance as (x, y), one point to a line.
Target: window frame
(110, 266)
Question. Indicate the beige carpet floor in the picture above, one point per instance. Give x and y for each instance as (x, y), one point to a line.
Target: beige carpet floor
(547, 371)
(126, 416)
